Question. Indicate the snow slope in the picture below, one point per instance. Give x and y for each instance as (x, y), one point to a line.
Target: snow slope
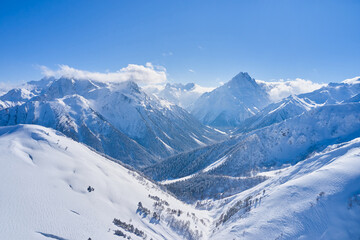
(231, 103)
(318, 198)
(43, 193)
(45, 178)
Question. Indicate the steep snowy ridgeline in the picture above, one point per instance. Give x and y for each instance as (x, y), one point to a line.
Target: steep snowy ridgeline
(163, 129)
(179, 94)
(244, 156)
(73, 116)
(55, 188)
(230, 104)
(318, 198)
(333, 93)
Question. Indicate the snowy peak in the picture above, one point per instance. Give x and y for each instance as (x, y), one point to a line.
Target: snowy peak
(230, 104)
(242, 80)
(17, 95)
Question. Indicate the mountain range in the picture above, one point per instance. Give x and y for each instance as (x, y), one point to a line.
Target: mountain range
(86, 159)
(118, 119)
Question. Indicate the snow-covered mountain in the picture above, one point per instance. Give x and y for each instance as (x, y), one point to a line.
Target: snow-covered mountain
(238, 160)
(231, 103)
(183, 95)
(291, 171)
(332, 93)
(55, 188)
(118, 119)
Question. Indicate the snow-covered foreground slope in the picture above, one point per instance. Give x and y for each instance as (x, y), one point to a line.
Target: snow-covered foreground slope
(231, 103)
(44, 194)
(318, 198)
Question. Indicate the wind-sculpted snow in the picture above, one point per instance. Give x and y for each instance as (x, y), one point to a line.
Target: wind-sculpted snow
(261, 150)
(115, 118)
(229, 105)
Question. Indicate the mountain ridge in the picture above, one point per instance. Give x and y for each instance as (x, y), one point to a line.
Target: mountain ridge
(138, 121)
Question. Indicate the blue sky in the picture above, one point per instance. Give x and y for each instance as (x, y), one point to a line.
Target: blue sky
(196, 41)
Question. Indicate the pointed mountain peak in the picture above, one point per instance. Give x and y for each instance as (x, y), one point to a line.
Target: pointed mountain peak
(242, 75)
(127, 86)
(242, 79)
(133, 86)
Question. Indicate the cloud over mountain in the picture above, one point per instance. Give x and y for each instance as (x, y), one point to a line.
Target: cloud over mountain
(140, 74)
(281, 89)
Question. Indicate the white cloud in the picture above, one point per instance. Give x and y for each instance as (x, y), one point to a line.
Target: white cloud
(281, 89)
(191, 70)
(355, 80)
(140, 74)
